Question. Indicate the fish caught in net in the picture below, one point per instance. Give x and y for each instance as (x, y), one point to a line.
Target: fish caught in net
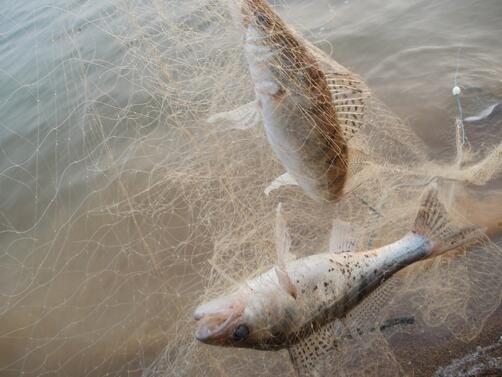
(154, 203)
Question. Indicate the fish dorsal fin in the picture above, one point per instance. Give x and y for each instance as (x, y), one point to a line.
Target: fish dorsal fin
(343, 237)
(348, 95)
(283, 246)
(282, 238)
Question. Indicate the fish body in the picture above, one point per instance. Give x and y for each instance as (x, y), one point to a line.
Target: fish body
(295, 101)
(329, 285)
(285, 305)
(321, 120)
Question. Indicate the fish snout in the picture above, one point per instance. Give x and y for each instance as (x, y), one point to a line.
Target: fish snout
(258, 13)
(214, 307)
(216, 318)
(202, 334)
(211, 327)
(198, 314)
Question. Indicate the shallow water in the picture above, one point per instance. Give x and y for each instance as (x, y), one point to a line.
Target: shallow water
(87, 283)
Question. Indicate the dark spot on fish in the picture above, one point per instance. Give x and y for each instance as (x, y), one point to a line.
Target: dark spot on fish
(315, 288)
(326, 284)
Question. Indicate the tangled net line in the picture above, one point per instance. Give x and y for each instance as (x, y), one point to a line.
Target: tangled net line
(141, 209)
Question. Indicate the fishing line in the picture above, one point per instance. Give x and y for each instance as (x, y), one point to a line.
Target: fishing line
(460, 129)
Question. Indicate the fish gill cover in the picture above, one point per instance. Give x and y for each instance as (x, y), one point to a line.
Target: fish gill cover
(122, 208)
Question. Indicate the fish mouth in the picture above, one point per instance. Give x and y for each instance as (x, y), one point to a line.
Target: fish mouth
(213, 329)
(214, 326)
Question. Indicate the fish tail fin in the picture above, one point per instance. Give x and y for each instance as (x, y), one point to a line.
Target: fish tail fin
(433, 222)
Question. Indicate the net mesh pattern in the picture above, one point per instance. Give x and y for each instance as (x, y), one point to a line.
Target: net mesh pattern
(141, 210)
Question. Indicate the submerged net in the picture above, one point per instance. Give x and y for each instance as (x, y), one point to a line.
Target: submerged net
(139, 209)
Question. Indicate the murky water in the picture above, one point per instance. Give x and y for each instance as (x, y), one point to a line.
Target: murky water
(87, 281)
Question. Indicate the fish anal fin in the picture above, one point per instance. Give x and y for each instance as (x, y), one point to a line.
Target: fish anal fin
(308, 354)
(358, 160)
(320, 353)
(343, 237)
(360, 165)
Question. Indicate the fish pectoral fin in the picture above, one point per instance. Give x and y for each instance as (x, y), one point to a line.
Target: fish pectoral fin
(285, 282)
(343, 237)
(309, 354)
(242, 118)
(283, 180)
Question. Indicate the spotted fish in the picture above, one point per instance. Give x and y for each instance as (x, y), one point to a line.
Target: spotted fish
(296, 303)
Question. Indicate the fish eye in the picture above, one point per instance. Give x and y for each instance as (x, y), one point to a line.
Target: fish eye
(241, 332)
(262, 19)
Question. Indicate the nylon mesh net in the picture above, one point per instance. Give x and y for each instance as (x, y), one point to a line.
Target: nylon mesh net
(141, 209)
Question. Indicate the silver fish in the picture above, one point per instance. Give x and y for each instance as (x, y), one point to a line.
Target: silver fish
(289, 303)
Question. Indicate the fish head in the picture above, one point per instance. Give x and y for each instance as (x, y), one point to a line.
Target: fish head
(248, 319)
(289, 83)
(259, 15)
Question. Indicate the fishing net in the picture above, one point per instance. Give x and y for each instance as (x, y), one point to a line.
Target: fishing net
(139, 209)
